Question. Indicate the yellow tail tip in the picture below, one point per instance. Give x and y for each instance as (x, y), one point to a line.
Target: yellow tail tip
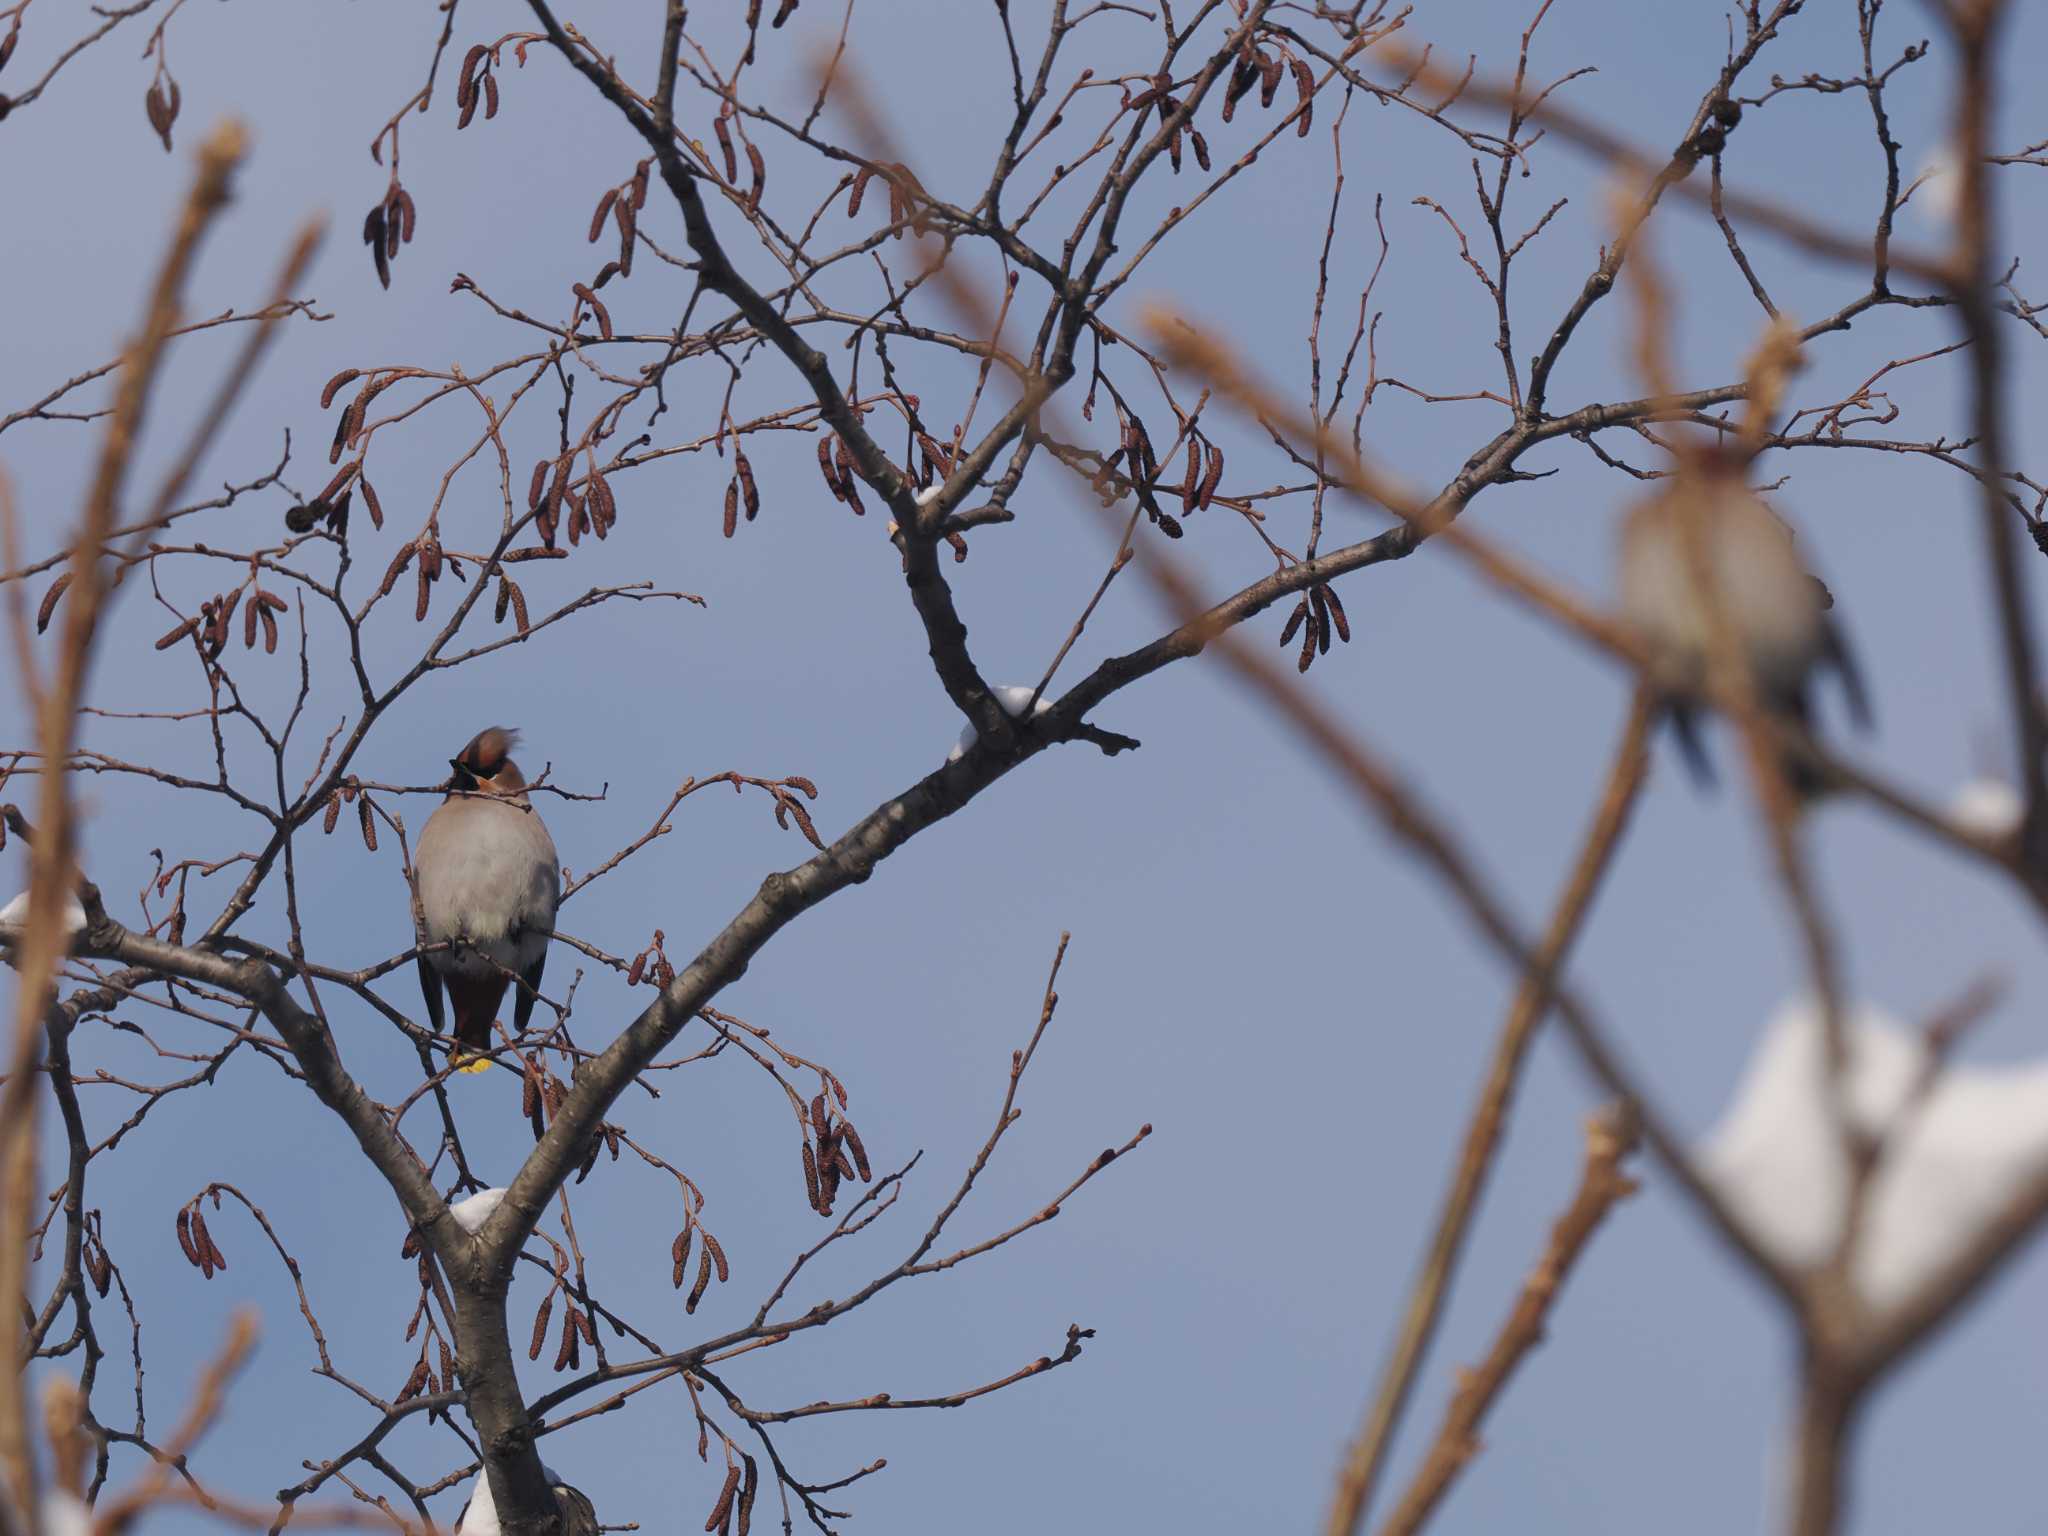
(471, 1066)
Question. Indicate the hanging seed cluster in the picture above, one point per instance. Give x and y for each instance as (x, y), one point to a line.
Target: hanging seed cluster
(426, 558)
(783, 11)
(722, 130)
(836, 465)
(559, 503)
(160, 103)
(331, 506)
(589, 505)
(1134, 467)
(1317, 615)
(351, 792)
(99, 1268)
(652, 966)
(710, 1256)
(936, 469)
(620, 205)
(197, 1243)
(832, 1151)
(740, 491)
(742, 1478)
(909, 203)
(1256, 67)
(425, 1377)
(843, 481)
(348, 430)
(388, 225)
(788, 808)
(212, 624)
(172, 925)
(476, 85)
(1158, 96)
(542, 1095)
(586, 297)
(579, 1324)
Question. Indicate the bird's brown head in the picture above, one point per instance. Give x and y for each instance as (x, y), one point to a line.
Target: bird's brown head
(486, 763)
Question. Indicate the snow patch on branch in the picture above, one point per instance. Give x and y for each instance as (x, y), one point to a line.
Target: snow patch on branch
(1013, 699)
(1954, 1155)
(14, 918)
(471, 1214)
(1987, 807)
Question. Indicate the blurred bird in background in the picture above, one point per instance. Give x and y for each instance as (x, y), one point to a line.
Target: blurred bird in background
(489, 883)
(1777, 612)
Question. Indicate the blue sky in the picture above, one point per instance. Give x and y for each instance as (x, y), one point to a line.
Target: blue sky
(1256, 969)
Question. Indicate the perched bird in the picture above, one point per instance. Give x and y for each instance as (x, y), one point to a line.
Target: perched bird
(1775, 608)
(479, 1515)
(489, 884)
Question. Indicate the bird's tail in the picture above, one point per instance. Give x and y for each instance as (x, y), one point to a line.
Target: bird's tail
(476, 1009)
(1803, 775)
(1685, 730)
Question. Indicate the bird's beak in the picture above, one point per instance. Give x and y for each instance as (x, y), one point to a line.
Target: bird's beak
(456, 764)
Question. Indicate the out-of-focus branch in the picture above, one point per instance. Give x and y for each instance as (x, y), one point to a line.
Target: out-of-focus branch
(52, 858)
(1976, 25)
(207, 1401)
(1610, 1137)
(1488, 1126)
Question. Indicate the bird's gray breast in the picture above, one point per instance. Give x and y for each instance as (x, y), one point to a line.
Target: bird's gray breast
(489, 876)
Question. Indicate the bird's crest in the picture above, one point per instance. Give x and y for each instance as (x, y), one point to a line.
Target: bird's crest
(488, 750)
